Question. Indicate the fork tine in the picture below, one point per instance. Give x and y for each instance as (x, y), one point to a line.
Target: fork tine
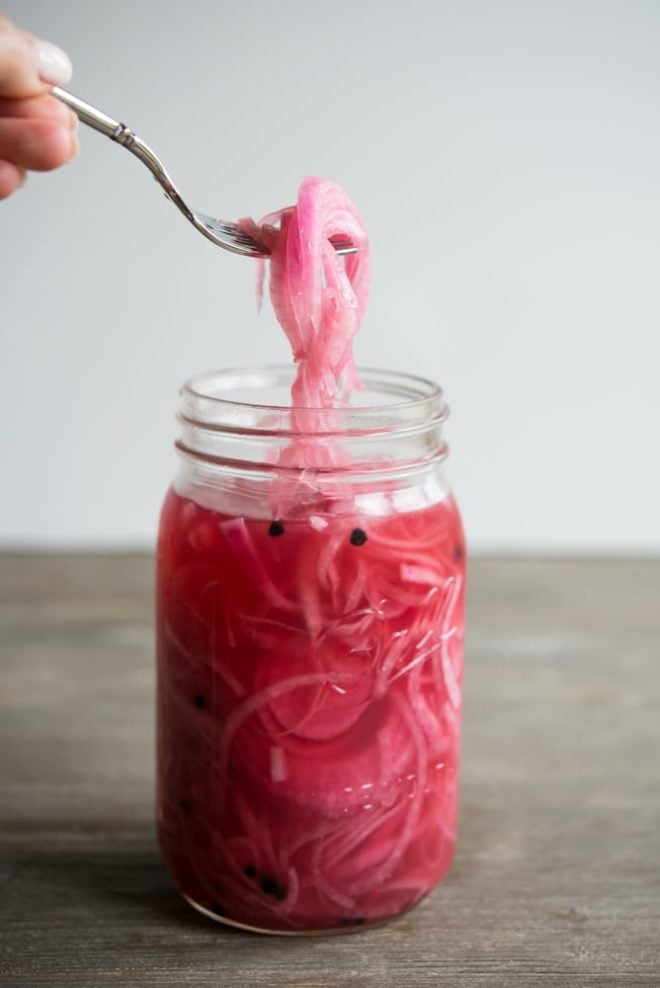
(341, 246)
(234, 231)
(232, 237)
(229, 232)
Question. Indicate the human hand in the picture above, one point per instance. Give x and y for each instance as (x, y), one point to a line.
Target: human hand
(37, 132)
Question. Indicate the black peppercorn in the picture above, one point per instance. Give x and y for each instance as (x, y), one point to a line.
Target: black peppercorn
(358, 536)
(271, 887)
(276, 528)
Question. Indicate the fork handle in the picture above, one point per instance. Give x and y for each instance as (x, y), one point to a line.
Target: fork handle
(123, 135)
(91, 116)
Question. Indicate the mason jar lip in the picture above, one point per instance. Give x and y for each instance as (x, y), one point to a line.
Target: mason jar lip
(416, 393)
(219, 427)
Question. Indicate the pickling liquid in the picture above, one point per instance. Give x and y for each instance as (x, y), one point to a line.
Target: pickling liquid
(309, 711)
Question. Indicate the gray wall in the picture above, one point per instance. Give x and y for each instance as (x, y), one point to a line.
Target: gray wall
(506, 158)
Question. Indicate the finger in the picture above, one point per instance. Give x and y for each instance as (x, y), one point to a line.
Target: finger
(12, 177)
(29, 65)
(39, 145)
(36, 107)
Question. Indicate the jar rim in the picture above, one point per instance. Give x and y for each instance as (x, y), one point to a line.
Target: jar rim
(215, 400)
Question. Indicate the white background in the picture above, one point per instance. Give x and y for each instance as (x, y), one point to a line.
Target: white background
(506, 159)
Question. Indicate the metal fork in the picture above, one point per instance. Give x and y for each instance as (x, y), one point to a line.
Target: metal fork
(220, 232)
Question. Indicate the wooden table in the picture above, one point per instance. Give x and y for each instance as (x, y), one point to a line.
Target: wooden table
(557, 877)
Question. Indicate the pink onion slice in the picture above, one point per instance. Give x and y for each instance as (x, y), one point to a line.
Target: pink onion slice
(319, 297)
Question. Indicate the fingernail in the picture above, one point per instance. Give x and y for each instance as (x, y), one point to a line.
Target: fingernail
(73, 122)
(22, 177)
(53, 64)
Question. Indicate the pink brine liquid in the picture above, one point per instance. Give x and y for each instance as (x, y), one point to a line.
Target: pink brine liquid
(309, 711)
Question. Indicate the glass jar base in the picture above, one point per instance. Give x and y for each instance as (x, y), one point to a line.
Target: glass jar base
(335, 931)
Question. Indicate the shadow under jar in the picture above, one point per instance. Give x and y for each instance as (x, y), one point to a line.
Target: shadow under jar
(310, 626)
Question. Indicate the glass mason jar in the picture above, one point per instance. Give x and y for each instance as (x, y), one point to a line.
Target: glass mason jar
(310, 625)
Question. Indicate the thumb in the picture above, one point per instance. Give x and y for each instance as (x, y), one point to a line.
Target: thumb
(29, 66)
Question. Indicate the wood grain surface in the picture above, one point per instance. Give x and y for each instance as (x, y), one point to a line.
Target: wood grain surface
(557, 876)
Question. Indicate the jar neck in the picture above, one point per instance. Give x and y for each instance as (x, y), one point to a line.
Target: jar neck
(240, 421)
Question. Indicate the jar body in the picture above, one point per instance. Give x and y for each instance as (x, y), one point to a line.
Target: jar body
(309, 695)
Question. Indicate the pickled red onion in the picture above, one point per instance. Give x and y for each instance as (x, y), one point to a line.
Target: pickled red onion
(318, 296)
